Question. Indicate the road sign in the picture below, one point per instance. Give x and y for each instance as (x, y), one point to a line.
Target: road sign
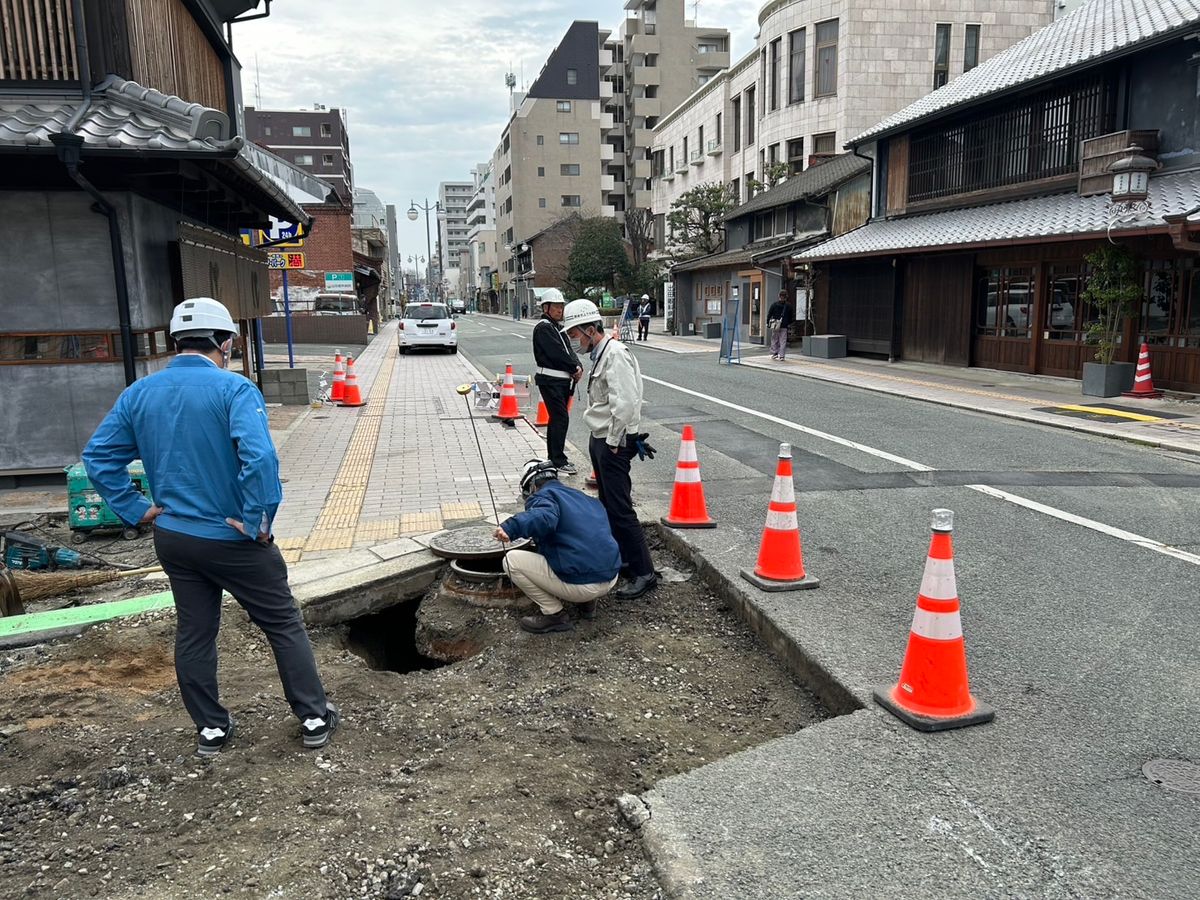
(285, 260)
(289, 234)
(336, 282)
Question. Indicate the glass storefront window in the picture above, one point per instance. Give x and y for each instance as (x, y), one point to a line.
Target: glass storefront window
(1005, 302)
(1161, 298)
(57, 348)
(1066, 317)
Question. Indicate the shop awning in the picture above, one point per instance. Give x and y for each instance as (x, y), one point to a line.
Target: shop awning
(1058, 217)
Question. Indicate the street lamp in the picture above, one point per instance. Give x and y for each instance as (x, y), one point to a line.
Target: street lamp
(413, 215)
(415, 261)
(1130, 188)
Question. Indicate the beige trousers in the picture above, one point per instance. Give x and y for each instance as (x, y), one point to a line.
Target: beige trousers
(533, 575)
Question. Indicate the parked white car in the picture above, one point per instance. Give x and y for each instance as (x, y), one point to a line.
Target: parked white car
(427, 325)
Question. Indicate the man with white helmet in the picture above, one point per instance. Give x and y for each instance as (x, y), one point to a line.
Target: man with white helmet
(614, 418)
(578, 559)
(558, 371)
(202, 435)
(644, 318)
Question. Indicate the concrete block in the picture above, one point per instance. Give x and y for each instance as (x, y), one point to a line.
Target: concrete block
(825, 346)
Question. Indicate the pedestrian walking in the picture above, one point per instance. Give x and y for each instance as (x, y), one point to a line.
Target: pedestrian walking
(558, 371)
(644, 319)
(614, 418)
(779, 319)
(201, 433)
(578, 560)
(524, 310)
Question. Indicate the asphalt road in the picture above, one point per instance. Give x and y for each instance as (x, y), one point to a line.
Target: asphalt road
(1078, 562)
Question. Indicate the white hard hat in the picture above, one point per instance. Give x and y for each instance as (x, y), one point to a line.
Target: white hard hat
(536, 472)
(202, 316)
(551, 295)
(580, 312)
(645, 296)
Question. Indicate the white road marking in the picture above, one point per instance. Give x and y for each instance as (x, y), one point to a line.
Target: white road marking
(1091, 524)
(514, 334)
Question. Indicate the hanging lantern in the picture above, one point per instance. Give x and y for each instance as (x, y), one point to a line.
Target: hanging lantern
(1131, 176)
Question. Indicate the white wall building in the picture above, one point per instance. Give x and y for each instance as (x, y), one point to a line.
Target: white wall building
(452, 231)
(821, 72)
(481, 233)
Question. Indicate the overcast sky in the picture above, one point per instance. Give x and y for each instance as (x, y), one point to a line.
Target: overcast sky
(422, 81)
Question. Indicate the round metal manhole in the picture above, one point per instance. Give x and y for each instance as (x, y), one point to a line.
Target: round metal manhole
(1174, 774)
(472, 542)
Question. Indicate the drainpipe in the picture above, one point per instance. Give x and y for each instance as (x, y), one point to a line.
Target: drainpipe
(69, 147)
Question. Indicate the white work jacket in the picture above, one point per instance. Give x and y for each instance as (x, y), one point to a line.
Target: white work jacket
(614, 393)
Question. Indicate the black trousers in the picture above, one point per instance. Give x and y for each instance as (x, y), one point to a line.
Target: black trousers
(615, 487)
(555, 394)
(256, 575)
(643, 330)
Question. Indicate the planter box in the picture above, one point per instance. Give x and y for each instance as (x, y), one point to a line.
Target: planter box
(824, 346)
(1101, 380)
(712, 329)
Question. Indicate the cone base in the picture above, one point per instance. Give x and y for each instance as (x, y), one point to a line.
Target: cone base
(591, 483)
(706, 523)
(496, 417)
(344, 402)
(1144, 395)
(980, 714)
(807, 583)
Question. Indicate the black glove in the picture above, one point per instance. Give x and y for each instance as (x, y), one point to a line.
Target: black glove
(644, 450)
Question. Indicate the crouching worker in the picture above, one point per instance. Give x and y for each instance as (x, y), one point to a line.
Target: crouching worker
(579, 559)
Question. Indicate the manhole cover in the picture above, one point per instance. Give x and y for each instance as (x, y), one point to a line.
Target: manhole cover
(1174, 774)
(471, 542)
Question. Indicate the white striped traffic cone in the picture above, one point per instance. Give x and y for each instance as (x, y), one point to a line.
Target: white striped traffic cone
(780, 564)
(688, 509)
(1143, 382)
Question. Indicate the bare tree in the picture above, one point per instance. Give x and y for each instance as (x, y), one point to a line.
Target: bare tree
(639, 225)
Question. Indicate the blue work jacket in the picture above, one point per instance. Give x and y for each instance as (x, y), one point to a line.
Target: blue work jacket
(201, 432)
(571, 530)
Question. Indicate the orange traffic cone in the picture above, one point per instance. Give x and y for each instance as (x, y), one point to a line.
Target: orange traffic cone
(353, 397)
(592, 481)
(1143, 383)
(543, 414)
(688, 509)
(932, 693)
(509, 411)
(570, 402)
(339, 377)
(780, 564)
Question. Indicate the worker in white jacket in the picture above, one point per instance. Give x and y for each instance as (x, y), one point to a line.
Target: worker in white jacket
(614, 418)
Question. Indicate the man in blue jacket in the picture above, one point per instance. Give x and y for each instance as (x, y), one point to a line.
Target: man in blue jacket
(202, 434)
(579, 559)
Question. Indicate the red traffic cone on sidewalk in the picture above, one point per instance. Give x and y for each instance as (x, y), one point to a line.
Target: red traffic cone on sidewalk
(339, 377)
(353, 397)
(509, 411)
(688, 509)
(932, 693)
(543, 414)
(570, 402)
(780, 564)
(1143, 383)
(591, 481)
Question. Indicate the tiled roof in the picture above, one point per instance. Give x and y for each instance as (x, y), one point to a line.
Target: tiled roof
(1092, 32)
(1059, 215)
(124, 117)
(746, 254)
(814, 181)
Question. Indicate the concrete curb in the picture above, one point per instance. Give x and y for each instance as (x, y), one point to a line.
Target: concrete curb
(1079, 427)
(367, 589)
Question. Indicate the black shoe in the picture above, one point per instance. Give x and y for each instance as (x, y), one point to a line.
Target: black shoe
(543, 624)
(637, 587)
(317, 731)
(587, 610)
(211, 741)
(567, 469)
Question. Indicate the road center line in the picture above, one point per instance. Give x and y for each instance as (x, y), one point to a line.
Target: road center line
(514, 334)
(1109, 530)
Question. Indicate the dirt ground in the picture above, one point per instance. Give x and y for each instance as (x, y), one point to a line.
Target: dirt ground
(495, 776)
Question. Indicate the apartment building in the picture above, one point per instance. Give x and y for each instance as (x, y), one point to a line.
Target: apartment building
(821, 72)
(481, 238)
(659, 59)
(315, 140)
(549, 162)
(454, 197)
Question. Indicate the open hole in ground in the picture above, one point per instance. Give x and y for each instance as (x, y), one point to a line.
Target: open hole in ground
(387, 640)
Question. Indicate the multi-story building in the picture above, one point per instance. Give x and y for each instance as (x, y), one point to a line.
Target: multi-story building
(481, 238)
(549, 163)
(659, 58)
(314, 139)
(454, 197)
(821, 72)
(369, 240)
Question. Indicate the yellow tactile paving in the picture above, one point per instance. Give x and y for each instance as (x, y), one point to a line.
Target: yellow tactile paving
(338, 522)
(378, 532)
(470, 510)
(292, 543)
(420, 523)
(291, 556)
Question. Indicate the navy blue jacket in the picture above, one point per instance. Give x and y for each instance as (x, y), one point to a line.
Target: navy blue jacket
(571, 530)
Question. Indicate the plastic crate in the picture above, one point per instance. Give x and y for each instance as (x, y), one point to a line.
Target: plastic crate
(87, 509)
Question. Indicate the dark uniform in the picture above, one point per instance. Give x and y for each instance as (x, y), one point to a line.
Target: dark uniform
(556, 363)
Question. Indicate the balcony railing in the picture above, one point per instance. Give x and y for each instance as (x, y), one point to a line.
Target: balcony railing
(714, 148)
(697, 157)
(37, 41)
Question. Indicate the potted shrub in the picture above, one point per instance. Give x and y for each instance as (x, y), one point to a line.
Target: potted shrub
(1111, 291)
